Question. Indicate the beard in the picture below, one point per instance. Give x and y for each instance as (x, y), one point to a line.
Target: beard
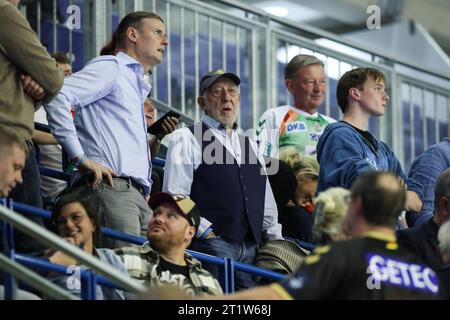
(163, 243)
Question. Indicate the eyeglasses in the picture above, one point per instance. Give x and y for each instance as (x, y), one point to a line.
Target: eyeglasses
(218, 92)
(161, 35)
(76, 218)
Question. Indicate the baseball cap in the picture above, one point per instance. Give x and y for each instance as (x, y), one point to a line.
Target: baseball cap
(212, 76)
(185, 205)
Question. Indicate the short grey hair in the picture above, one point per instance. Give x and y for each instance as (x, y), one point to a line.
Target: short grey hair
(298, 62)
(442, 188)
(444, 238)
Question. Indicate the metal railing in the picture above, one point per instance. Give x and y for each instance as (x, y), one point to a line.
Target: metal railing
(228, 266)
(214, 34)
(9, 265)
(46, 237)
(87, 278)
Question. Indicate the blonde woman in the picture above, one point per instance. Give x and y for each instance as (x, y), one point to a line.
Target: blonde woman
(329, 216)
(306, 169)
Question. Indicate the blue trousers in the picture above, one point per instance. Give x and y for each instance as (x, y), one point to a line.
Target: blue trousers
(243, 251)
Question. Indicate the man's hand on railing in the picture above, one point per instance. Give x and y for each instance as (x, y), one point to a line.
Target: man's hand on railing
(413, 202)
(402, 183)
(98, 172)
(32, 88)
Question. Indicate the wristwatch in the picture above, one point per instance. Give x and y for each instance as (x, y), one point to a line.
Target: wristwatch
(79, 161)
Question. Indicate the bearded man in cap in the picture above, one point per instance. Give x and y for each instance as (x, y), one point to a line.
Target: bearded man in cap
(163, 260)
(221, 171)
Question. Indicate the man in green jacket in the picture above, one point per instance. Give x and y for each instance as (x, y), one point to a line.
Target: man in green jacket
(163, 260)
(28, 76)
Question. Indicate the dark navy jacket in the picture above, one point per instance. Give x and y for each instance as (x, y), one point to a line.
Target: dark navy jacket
(423, 241)
(229, 195)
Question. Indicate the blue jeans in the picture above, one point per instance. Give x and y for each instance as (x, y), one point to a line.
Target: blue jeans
(243, 251)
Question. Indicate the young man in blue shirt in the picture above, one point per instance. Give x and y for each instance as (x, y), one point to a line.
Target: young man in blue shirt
(347, 149)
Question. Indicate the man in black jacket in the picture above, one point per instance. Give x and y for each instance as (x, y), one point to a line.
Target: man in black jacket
(423, 240)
